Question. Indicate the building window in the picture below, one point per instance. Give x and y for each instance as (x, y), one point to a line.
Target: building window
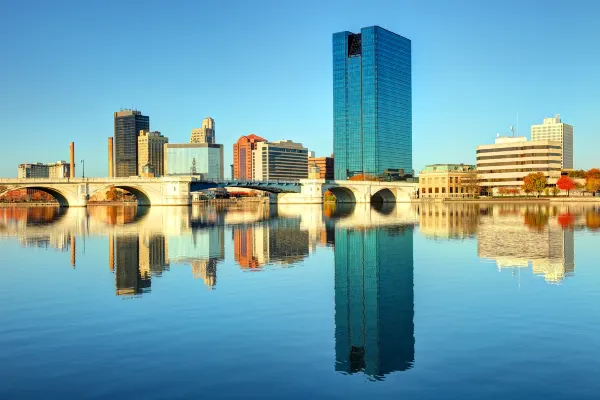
(437, 190)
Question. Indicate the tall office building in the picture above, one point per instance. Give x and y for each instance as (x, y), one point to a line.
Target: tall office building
(374, 300)
(372, 103)
(242, 156)
(206, 134)
(151, 151)
(279, 160)
(128, 124)
(556, 130)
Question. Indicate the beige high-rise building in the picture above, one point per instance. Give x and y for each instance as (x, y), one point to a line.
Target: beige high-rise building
(205, 134)
(556, 130)
(279, 160)
(151, 152)
(510, 159)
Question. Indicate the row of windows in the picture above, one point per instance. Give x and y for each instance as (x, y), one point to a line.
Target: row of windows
(443, 190)
(527, 155)
(520, 148)
(531, 162)
(504, 171)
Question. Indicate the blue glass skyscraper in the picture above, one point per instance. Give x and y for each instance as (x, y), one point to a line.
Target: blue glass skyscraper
(372, 103)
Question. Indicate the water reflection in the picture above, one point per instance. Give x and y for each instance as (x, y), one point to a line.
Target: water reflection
(527, 236)
(373, 271)
(374, 300)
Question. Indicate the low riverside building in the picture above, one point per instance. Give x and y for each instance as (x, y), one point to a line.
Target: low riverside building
(281, 160)
(446, 180)
(59, 169)
(505, 163)
(204, 160)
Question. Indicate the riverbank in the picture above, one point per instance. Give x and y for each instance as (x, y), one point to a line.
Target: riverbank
(549, 200)
(28, 205)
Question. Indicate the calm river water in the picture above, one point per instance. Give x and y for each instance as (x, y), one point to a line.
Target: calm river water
(425, 301)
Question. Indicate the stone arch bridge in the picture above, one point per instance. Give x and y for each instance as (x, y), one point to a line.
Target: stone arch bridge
(75, 192)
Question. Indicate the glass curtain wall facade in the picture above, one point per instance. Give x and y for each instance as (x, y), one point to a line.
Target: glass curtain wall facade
(204, 160)
(372, 103)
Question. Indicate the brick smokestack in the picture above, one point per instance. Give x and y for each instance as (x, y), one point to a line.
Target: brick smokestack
(110, 157)
(72, 165)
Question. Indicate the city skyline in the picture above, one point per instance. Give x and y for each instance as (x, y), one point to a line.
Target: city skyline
(468, 82)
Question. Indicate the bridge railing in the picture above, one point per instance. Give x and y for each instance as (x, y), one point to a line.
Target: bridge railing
(245, 182)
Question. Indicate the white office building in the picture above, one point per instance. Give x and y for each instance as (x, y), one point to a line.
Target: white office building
(554, 129)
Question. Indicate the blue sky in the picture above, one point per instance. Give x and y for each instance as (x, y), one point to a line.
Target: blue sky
(264, 67)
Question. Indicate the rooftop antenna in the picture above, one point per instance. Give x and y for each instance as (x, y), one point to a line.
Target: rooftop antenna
(512, 129)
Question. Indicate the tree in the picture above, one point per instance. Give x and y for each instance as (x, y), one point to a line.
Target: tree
(36, 196)
(534, 182)
(328, 196)
(592, 185)
(111, 194)
(593, 173)
(577, 174)
(363, 177)
(555, 190)
(471, 183)
(565, 183)
(592, 177)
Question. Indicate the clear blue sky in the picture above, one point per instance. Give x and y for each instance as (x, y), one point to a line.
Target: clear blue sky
(264, 67)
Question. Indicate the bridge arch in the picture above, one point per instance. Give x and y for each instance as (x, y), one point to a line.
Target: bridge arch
(142, 196)
(143, 199)
(342, 194)
(61, 198)
(384, 195)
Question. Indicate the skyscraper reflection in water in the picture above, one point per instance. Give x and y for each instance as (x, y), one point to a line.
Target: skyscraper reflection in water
(129, 279)
(374, 300)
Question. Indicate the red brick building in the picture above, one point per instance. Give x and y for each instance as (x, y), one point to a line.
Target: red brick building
(242, 156)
